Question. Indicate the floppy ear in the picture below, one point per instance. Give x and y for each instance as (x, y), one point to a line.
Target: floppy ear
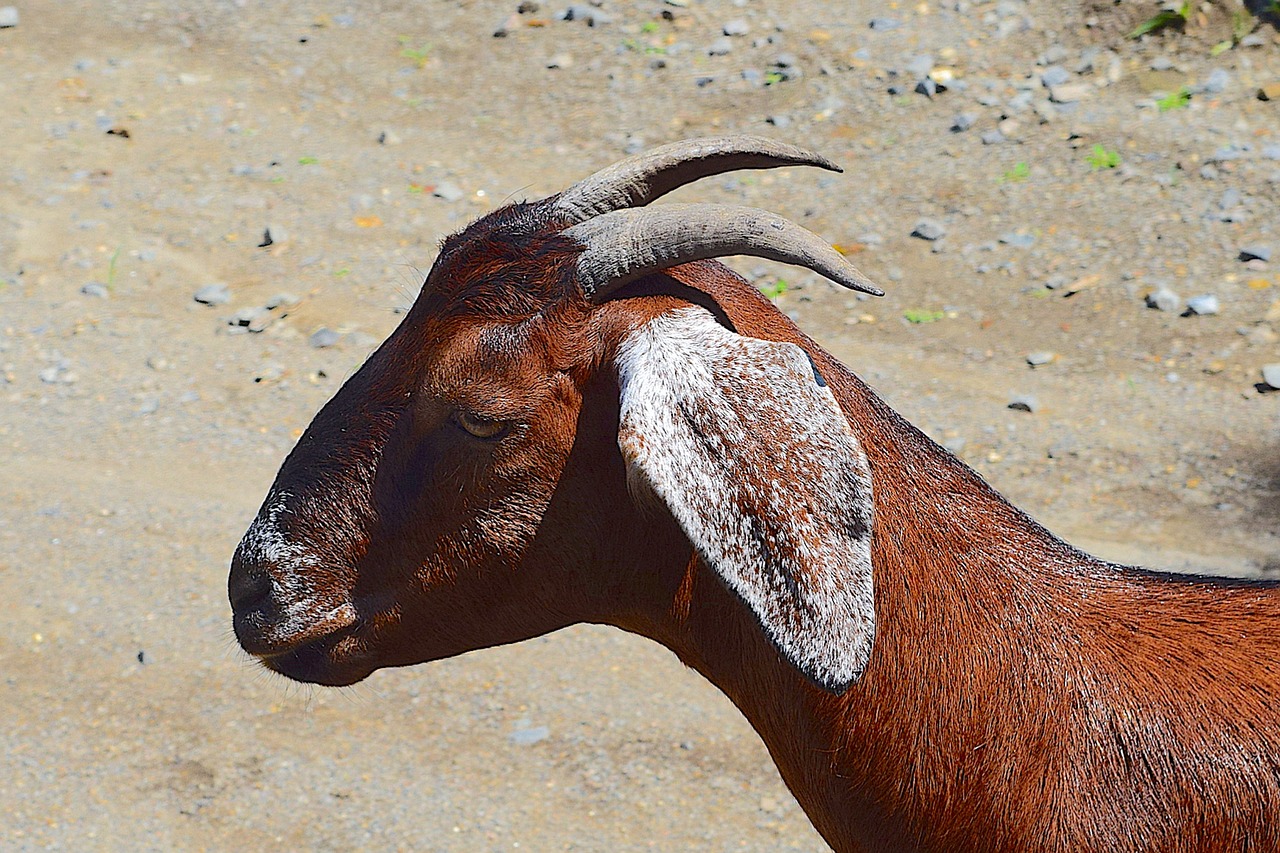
(748, 449)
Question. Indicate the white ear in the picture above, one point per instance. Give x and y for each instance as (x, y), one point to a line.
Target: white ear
(748, 449)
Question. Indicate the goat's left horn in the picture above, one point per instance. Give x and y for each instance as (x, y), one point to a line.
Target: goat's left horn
(638, 180)
(626, 245)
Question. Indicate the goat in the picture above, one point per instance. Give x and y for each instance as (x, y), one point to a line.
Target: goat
(585, 418)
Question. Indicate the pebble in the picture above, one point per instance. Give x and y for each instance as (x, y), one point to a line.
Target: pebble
(560, 60)
(963, 122)
(528, 737)
(1255, 251)
(323, 337)
(582, 12)
(992, 137)
(883, 24)
(1054, 75)
(928, 229)
(8, 16)
(1020, 241)
(94, 288)
(1271, 374)
(389, 137)
(254, 319)
(448, 191)
(1069, 93)
(1164, 299)
(720, 47)
(736, 27)
(509, 25)
(212, 294)
(1035, 359)
(1216, 83)
(1203, 305)
(1024, 403)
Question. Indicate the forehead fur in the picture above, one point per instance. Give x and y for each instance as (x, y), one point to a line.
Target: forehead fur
(511, 263)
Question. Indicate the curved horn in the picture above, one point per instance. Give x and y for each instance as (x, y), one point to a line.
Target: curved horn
(638, 180)
(625, 245)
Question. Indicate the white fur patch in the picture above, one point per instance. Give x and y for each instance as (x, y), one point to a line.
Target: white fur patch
(757, 463)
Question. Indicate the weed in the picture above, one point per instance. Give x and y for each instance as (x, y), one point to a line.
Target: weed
(772, 77)
(111, 268)
(649, 27)
(1019, 172)
(1241, 25)
(417, 54)
(1102, 158)
(1163, 18)
(919, 316)
(1175, 100)
(308, 160)
(775, 289)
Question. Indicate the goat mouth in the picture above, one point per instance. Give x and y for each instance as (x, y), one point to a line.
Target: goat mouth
(333, 660)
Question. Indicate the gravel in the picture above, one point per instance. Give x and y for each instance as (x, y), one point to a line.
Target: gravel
(1204, 305)
(736, 27)
(1271, 374)
(212, 294)
(1024, 403)
(1255, 251)
(929, 229)
(8, 16)
(1164, 299)
(94, 288)
(324, 337)
(1035, 359)
(448, 190)
(962, 122)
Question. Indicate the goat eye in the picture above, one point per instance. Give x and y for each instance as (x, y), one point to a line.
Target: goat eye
(482, 427)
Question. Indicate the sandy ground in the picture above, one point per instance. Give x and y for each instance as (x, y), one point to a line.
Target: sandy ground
(148, 147)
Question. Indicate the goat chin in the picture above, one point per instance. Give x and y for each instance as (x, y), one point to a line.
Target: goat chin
(585, 418)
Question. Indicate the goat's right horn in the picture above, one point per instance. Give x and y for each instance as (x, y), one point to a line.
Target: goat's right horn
(626, 245)
(638, 180)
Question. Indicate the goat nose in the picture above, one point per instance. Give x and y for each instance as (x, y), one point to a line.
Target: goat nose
(247, 587)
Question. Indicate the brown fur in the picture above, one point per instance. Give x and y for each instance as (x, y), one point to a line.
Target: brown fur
(1020, 696)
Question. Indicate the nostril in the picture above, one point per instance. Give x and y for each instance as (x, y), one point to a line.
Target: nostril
(247, 587)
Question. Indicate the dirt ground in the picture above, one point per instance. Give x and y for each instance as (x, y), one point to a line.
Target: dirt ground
(150, 146)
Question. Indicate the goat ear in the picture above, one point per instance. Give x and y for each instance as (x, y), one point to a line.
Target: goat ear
(748, 449)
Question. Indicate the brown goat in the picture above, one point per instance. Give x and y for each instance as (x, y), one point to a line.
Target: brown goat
(584, 419)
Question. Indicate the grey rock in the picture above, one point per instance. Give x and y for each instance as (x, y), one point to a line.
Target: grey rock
(753, 76)
(928, 87)
(1209, 172)
(212, 294)
(583, 12)
(1271, 374)
(720, 47)
(1056, 53)
(94, 288)
(1035, 359)
(1271, 152)
(1216, 83)
(528, 737)
(8, 16)
(1204, 305)
(736, 27)
(1164, 299)
(324, 337)
(780, 120)
(448, 191)
(1229, 199)
(1255, 251)
(1024, 403)
(883, 24)
(963, 122)
(1054, 75)
(929, 229)
(1161, 63)
(254, 319)
(560, 60)
(282, 300)
(1017, 240)
(993, 137)
(919, 66)
(1069, 93)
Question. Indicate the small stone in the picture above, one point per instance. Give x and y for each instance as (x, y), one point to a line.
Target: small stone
(323, 337)
(928, 229)
(1161, 63)
(1271, 374)
(1017, 240)
(582, 12)
(1024, 403)
(1035, 359)
(1216, 83)
(389, 137)
(1209, 172)
(992, 137)
(254, 319)
(1229, 198)
(1269, 92)
(1255, 251)
(1054, 75)
(508, 26)
(1069, 93)
(281, 300)
(1204, 305)
(883, 24)
(928, 87)
(1009, 128)
(528, 737)
(448, 191)
(8, 16)
(94, 288)
(1164, 299)
(781, 120)
(212, 294)
(736, 27)
(560, 60)
(963, 122)
(920, 66)
(720, 47)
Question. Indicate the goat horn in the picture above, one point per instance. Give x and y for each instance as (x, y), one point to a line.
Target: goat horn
(625, 245)
(638, 180)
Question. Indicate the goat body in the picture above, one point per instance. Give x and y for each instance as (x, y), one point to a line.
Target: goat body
(518, 457)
